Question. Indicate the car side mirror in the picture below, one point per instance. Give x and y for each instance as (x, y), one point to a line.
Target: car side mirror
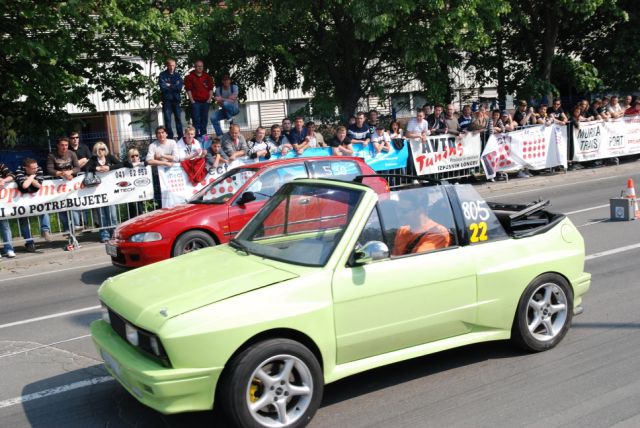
(246, 198)
(370, 252)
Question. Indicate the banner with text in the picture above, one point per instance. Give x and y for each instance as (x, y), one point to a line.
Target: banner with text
(600, 140)
(116, 187)
(443, 153)
(535, 147)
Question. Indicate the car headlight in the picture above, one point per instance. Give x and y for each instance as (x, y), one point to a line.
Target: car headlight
(104, 312)
(132, 334)
(146, 237)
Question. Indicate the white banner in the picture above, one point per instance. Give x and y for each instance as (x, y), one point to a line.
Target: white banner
(116, 187)
(444, 153)
(176, 188)
(535, 147)
(600, 140)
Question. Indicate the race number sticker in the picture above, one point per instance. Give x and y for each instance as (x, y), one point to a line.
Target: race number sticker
(480, 221)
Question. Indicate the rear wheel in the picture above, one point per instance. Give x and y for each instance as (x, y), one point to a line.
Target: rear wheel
(276, 383)
(544, 313)
(192, 241)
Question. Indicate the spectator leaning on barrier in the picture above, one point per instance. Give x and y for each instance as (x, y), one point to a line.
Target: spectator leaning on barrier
(614, 108)
(188, 147)
(594, 110)
(134, 161)
(216, 156)
(465, 118)
(259, 147)
(313, 139)
(381, 140)
(83, 153)
(341, 144)
(234, 144)
(395, 130)
(29, 177)
(524, 116)
(542, 116)
(103, 161)
(451, 121)
(6, 177)
(199, 86)
(418, 127)
(508, 123)
(279, 140)
(628, 99)
(63, 163)
(497, 127)
(226, 97)
(634, 110)
(557, 113)
(480, 122)
(297, 135)
(585, 111)
(286, 129)
(359, 131)
(437, 124)
(171, 83)
(163, 151)
(373, 121)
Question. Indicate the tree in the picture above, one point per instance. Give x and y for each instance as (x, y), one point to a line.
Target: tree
(342, 51)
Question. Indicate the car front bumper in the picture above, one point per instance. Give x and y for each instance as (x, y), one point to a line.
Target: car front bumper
(136, 254)
(167, 390)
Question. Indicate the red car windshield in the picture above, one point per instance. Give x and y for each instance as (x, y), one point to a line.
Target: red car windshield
(224, 187)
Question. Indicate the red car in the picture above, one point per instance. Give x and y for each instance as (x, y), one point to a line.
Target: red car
(217, 212)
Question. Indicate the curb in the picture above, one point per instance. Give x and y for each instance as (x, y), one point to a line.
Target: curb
(53, 252)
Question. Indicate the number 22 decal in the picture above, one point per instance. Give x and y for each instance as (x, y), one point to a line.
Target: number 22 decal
(478, 231)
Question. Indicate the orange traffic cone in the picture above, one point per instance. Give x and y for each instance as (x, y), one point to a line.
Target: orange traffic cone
(631, 194)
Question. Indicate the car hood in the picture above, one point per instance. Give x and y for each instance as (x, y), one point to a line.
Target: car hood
(147, 222)
(148, 296)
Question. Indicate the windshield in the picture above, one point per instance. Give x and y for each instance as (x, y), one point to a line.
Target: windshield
(224, 187)
(301, 224)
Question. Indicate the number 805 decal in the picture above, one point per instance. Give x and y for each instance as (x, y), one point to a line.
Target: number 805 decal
(478, 232)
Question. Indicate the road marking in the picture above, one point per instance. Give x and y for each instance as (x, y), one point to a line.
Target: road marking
(46, 317)
(53, 391)
(593, 222)
(52, 271)
(613, 251)
(44, 346)
(587, 209)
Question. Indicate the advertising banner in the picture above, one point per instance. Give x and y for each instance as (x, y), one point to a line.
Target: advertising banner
(445, 153)
(601, 140)
(535, 147)
(116, 187)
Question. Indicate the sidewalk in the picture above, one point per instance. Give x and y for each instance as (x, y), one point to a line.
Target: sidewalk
(90, 249)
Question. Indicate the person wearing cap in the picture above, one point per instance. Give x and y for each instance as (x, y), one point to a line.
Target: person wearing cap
(524, 116)
(226, 97)
(381, 140)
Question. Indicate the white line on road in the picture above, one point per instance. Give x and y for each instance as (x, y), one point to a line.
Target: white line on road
(46, 317)
(612, 251)
(587, 209)
(54, 391)
(52, 271)
(44, 346)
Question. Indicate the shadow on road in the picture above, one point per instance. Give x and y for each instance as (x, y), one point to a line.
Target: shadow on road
(98, 275)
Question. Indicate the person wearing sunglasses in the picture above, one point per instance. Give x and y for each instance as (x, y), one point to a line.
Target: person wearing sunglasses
(102, 161)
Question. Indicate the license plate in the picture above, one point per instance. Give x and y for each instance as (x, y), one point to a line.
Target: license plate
(112, 250)
(111, 363)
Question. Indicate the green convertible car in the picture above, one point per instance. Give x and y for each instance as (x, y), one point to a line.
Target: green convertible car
(329, 279)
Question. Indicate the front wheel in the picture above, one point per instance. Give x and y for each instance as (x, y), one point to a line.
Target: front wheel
(276, 383)
(544, 313)
(192, 241)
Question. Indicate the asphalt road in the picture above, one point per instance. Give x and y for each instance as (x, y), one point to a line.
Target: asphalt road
(50, 374)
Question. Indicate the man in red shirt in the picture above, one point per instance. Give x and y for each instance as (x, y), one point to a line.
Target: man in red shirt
(634, 109)
(199, 86)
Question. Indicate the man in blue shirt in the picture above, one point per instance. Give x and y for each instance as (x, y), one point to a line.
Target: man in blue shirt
(298, 135)
(171, 84)
(226, 98)
(359, 132)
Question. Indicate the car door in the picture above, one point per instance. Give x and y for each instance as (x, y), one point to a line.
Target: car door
(403, 300)
(263, 186)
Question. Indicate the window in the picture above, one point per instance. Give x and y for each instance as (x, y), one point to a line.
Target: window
(417, 221)
(372, 230)
(268, 183)
(480, 221)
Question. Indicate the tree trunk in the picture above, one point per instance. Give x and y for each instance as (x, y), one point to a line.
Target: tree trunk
(502, 84)
(550, 38)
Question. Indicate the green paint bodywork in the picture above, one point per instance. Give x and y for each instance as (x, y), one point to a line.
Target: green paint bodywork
(218, 299)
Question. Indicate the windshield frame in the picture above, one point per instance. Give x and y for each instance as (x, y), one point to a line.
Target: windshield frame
(275, 200)
(199, 195)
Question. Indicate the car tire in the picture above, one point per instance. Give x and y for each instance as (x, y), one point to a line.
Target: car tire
(274, 383)
(544, 313)
(192, 241)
